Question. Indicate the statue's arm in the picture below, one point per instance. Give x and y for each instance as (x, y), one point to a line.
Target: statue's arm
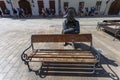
(66, 29)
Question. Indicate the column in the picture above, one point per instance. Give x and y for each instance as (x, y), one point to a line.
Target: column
(15, 3)
(34, 7)
(9, 6)
(57, 7)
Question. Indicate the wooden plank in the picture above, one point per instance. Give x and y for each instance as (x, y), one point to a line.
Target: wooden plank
(61, 38)
(68, 60)
(61, 56)
(61, 51)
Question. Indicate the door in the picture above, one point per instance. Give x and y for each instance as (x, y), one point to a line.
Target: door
(52, 4)
(65, 5)
(81, 4)
(3, 7)
(114, 8)
(25, 5)
(40, 4)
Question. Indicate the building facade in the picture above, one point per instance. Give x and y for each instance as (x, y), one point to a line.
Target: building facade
(32, 6)
(104, 7)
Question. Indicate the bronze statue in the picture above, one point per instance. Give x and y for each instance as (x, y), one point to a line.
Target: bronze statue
(70, 25)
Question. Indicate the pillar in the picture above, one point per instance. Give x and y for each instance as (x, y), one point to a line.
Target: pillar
(8, 4)
(34, 7)
(57, 7)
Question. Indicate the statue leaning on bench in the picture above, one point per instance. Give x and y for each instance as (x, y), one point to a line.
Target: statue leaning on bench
(70, 25)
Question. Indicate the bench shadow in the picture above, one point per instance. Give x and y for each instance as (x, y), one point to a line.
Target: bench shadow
(70, 69)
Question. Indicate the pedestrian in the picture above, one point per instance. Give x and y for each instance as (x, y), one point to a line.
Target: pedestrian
(7, 11)
(53, 12)
(1, 13)
(40, 11)
(21, 13)
(14, 12)
(48, 12)
(86, 11)
(44, 12)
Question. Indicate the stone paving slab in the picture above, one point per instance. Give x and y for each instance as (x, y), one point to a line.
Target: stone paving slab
(15, 37)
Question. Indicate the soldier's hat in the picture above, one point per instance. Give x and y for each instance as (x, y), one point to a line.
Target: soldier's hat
(70, 12)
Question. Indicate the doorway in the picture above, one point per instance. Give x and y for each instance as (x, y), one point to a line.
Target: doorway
(40, 5)
(2, 6)
(65, 6)
(114, 8)
(25, 5)
(52, 4)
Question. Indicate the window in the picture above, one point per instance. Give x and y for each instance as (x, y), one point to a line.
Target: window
(40, 4)
(81, 4)
(98, 5)
(65, 5)
(52, 4)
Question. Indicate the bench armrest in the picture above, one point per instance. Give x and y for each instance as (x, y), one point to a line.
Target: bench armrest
(97, 53)
(24, 56)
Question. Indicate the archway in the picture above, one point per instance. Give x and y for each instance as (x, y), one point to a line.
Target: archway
(3, 7)
(40, 5)
(25, 5)
(114, 8)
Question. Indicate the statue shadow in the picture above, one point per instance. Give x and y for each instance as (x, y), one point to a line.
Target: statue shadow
(70, 69)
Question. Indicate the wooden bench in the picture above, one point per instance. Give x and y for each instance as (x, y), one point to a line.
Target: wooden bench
(106, 25)
(61, 55)
(111, 21)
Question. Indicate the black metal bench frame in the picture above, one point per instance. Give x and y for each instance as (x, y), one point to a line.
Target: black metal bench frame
(105, 25)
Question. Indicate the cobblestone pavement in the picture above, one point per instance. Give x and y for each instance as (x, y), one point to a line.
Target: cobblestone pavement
(15, 37)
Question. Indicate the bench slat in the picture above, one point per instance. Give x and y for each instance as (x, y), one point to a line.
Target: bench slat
(61, 51)
(81, 54)
(67, 60)
(62, 38)
(61, 56)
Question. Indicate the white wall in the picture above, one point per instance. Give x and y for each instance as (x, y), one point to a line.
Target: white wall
(87, 3)
(46, 3)
(56, 7)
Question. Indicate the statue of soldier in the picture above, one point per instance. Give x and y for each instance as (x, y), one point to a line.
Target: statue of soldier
(70, 25)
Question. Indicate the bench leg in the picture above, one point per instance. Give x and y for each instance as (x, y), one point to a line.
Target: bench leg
(115, 36)
(94, 69)
(41, 71)
(98, 27)
(27, 63)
